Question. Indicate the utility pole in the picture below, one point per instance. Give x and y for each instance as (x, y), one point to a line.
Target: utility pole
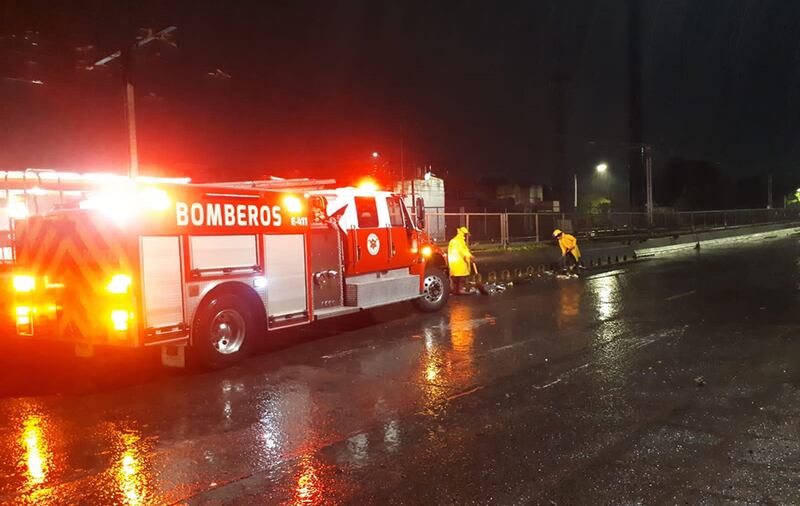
(575, 184)
(126, 60)
(648, 164)
(413, 194)
(402, 172)
(769, 191)
(635, 104)
(130, 114)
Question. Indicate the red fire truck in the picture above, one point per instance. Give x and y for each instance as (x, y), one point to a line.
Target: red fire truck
(205, 271)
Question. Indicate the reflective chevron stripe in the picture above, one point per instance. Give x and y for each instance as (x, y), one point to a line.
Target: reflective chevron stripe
(76, 255)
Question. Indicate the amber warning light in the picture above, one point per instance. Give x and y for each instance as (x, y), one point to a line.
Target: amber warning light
(24, 283)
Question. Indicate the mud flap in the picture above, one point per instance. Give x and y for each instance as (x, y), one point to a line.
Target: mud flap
(84, 350)
(173, 356)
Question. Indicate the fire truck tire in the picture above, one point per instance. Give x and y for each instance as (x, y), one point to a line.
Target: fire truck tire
(222, 331)
(436, 288)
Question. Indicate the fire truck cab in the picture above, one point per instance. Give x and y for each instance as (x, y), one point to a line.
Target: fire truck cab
(206, 271)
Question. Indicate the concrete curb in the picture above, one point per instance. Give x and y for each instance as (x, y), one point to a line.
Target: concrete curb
(689, 241)
(524, 266)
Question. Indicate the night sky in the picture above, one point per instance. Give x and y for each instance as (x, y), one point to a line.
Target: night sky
(470, 87)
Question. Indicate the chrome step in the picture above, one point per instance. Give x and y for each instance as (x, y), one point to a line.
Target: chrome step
(330, 312)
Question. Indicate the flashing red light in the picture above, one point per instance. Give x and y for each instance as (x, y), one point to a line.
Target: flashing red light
(368, 185)
(293, 204)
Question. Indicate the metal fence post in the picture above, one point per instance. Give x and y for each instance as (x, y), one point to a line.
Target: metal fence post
(502, 230)
(537, 226)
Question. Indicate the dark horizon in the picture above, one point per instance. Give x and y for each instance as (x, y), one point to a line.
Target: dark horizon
(528, 91)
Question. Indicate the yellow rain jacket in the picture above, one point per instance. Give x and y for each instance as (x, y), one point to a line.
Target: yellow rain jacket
(459, 258)
(569, 243)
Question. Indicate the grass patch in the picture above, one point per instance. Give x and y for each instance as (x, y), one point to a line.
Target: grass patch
(514, 247)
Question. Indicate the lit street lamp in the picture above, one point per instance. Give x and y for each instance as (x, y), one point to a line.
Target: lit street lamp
(600, 168)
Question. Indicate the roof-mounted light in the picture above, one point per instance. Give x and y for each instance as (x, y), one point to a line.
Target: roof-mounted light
(368, 185)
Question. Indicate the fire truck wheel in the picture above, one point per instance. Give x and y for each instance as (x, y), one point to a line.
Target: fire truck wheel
(222, 330)
(436, 289)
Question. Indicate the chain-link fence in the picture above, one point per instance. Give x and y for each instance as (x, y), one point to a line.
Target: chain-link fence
(504, 228)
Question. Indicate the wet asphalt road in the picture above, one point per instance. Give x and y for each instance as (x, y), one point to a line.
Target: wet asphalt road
(671, 381)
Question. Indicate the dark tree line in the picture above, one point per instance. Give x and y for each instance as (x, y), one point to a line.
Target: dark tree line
(696, 185)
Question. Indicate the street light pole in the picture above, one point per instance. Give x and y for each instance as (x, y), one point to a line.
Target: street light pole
(575, 182)
(648, 164)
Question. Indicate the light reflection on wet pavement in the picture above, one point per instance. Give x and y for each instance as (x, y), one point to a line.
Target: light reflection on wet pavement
(573, 391)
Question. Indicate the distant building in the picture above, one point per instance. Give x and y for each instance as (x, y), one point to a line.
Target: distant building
(521, 195)
(431, 190)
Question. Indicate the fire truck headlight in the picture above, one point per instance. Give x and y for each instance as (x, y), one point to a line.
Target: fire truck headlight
(293, 204)
(427, 251)
(24, 283)
(120, 283)
(119, 319)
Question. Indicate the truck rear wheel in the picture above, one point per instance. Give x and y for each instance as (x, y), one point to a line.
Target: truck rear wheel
(435, 290)
(222, 331)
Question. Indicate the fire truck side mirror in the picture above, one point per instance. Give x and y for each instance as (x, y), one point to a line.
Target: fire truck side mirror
(420, 205)
(319, 208)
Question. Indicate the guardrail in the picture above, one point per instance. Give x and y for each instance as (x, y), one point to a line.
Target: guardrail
(505, 228)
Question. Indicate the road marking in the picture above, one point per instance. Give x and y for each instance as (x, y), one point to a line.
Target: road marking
(680, 295)
(542, 387)
(506, 347)
(640, 343)
(608, 274)
(341, 353)
(561, 377)
(462, 394)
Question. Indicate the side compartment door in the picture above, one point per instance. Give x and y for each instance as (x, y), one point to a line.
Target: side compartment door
(162, 286)
(287, 280)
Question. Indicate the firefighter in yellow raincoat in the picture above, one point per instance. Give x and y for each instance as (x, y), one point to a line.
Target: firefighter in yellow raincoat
(459, 259)
(570, 252)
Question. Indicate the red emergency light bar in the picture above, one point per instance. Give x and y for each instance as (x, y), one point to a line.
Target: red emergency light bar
(51, 180)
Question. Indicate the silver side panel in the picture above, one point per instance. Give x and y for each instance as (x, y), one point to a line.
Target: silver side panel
(327, 286)
(377, 289)
(161, 279)
(285, 264)
(221, 252)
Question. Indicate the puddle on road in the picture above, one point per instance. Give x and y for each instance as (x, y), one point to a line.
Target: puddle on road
(37, 466)
(447, 358)
(262, 421)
